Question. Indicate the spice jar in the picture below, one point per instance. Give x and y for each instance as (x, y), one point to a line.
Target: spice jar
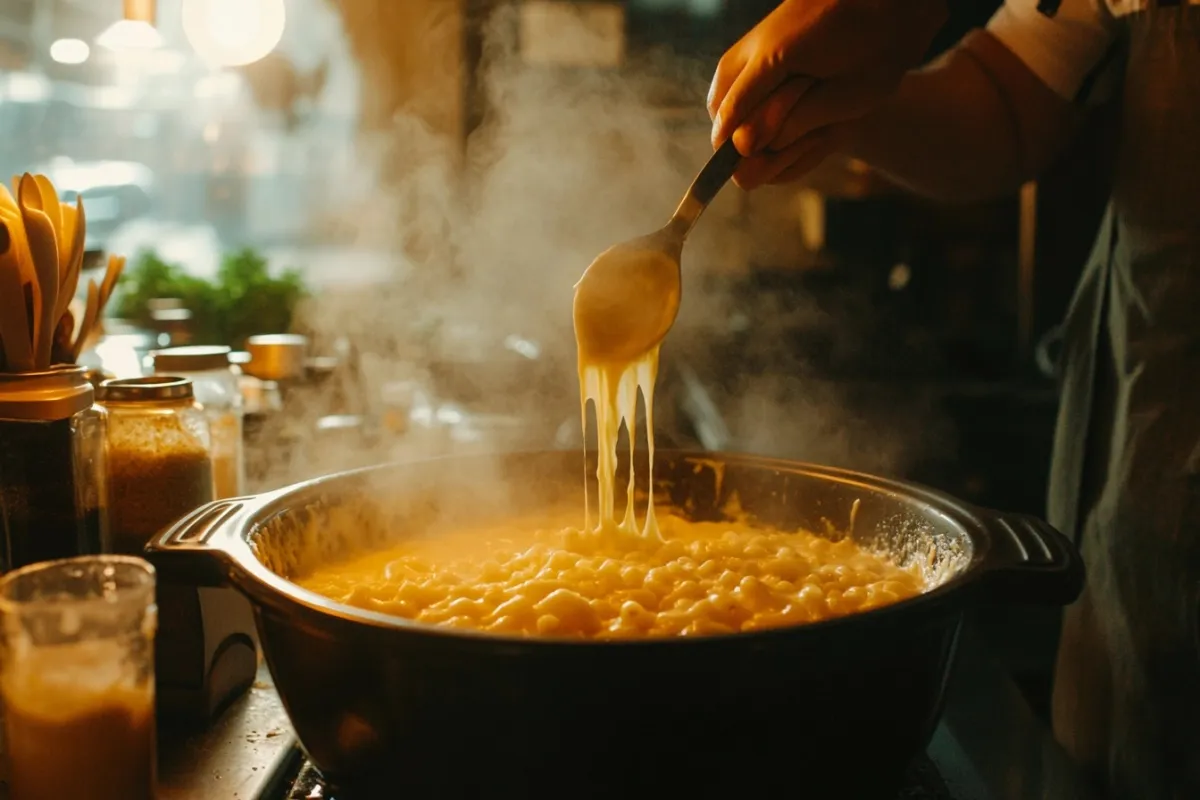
(159, 456)
(215, 384)
(52, 468)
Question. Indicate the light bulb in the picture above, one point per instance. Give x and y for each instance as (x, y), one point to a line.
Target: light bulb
(233, 33)
(70, 51)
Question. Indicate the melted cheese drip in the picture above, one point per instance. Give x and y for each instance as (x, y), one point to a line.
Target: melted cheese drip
(613, 389)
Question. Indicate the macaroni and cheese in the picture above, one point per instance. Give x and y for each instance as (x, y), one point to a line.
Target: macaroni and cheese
(697, 579)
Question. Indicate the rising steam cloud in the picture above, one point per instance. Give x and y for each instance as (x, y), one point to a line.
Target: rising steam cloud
(490, 239)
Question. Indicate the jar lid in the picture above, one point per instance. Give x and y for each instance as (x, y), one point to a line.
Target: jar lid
(197, 358)
(45, 396)
(146, 390)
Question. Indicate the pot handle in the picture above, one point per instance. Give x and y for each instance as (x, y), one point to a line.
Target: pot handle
(196, 549)
(1029, 561)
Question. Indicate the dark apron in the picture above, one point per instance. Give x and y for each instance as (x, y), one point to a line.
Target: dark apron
(1126, 473)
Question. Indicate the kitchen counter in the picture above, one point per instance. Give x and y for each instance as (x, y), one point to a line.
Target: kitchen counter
(989, 746)
(243, 756)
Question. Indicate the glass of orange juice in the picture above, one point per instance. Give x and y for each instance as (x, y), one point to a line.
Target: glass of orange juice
(77, 679)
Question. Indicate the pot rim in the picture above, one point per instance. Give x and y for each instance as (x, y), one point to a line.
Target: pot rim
(1015, 557)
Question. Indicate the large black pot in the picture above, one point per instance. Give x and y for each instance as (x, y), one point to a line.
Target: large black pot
(388, 708)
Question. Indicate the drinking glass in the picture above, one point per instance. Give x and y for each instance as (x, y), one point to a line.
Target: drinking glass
(77, 679)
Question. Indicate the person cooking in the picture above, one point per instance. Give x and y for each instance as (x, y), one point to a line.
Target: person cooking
(823, 75)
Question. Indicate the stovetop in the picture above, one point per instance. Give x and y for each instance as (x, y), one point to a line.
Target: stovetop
(923, 782)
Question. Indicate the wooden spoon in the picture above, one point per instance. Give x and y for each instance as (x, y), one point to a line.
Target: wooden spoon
(43, 248)
(14, 322)
(24, 275)
(116, 265)
(8, 204)
(91, 313)
(73, 217)
(52, 209)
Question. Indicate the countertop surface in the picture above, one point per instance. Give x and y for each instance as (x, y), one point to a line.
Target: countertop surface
(242, 756)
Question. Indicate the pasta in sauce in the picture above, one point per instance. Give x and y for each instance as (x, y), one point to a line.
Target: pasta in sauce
(698, 578)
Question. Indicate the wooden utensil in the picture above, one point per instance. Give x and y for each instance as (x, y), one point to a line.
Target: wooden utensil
(14, 321)
(76, 220)
(43, 248)
(52, 209)
(116, 264)
(90, 314)
(8, 204)
(64, 340)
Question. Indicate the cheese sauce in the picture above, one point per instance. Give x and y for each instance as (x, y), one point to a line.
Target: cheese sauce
(612, 373)
(613, 391)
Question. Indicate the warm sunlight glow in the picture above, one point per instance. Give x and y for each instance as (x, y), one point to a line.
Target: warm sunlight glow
(231, 33)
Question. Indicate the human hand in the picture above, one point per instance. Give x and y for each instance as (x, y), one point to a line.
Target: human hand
(788, 88)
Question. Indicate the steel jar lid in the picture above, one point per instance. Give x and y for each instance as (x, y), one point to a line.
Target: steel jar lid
(47, 395)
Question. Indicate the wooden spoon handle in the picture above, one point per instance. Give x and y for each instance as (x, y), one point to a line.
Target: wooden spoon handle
(712, 178)
(716, 173)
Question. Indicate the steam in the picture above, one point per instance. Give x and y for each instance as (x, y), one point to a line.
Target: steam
(487, 240)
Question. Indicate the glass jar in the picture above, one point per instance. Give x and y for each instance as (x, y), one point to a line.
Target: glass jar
(52, 467)
(215, 384)
(77, 679)
(159, 457)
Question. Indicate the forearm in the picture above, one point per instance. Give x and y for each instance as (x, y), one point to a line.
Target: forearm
(975, 124)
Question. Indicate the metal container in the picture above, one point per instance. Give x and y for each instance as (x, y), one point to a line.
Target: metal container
(277, 356)
(215, 383)
(52, 468)
(372, 696)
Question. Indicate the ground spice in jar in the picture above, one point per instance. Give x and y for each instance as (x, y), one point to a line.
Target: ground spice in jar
(159, 463)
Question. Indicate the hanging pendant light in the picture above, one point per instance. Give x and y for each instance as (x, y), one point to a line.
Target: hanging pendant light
(135, 31)
(233, 33)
